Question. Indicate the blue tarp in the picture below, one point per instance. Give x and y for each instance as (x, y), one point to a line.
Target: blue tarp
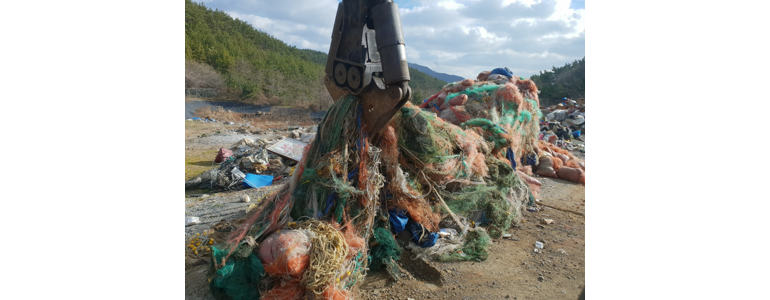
(398, 220)
(576, 134)
(417, 231)
(502, 71)
(257, 181)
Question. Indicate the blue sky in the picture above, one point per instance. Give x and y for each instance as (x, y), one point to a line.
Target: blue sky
(460, 37)
(577, 4)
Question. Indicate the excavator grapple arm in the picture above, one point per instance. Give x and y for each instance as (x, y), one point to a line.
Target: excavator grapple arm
(367, 58)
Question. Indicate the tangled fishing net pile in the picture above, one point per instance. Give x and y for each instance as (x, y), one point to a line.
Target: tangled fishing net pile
(337, 218)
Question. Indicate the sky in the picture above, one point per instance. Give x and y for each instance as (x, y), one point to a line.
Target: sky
(458, 37)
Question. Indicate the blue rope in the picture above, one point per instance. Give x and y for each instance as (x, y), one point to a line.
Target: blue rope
(329, 203)
(360, 112)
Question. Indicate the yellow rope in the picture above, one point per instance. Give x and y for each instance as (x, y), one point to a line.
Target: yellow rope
(326, 256)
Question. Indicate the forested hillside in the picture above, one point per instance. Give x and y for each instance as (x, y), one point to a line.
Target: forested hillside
(567, 81)
(248, 65)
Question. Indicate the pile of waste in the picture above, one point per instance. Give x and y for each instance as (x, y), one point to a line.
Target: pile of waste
(484, 97)
(254, 163)
(563, 122)
(433, 180)
(562, 134)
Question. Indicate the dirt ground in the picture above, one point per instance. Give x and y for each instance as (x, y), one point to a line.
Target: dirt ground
(512, 271)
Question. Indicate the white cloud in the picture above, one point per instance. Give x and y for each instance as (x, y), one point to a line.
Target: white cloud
(526, 36)
(412, 53)
(450, 4)
(461, 37)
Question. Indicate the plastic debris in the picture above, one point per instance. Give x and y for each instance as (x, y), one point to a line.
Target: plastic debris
(223, 155)
(289, 148)
(192, 221)
(257, 181)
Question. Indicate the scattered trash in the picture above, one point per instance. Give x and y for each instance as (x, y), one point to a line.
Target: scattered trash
(240, 150)
(192, 221)
(307, 137)
(576, 134)
(447, 233)
(238, 174)
(222, 155)
(507, 236)
(547, 221)
(536, 250)
(246, 199)
(290, 148)
(245, 142)
(562, 251)
(257, 181)
(539, 245)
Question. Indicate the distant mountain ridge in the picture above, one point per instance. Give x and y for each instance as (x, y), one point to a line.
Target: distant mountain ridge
(440, 76)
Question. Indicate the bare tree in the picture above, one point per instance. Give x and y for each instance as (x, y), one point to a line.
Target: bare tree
(200, 75)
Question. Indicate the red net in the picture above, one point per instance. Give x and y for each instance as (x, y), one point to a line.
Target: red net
(285, 253)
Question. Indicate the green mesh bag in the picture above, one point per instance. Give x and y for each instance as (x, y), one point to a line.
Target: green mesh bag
(385, 250)
(238, 279)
